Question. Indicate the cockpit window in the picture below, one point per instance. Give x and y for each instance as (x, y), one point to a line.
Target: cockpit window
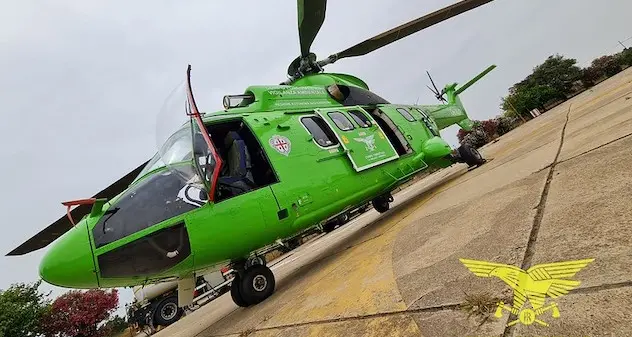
(161, 196)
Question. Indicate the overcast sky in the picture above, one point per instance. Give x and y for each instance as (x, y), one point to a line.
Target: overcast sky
(81, 82)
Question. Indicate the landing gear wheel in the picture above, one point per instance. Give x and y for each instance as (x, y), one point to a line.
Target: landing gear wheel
(167, 311)
(235, 292)
(470, 155)
(382, 204)
(329, 227)
(256, 284)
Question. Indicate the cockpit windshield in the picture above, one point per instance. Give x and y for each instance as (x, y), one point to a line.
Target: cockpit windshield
(177, 149)
(180, 186)
(180, 143)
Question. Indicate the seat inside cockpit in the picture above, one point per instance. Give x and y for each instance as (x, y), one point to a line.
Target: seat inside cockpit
(245, 165)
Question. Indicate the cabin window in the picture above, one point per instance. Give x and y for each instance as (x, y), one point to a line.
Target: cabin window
(360, 118)
(406, 114)
(342, 122)
(322, 134)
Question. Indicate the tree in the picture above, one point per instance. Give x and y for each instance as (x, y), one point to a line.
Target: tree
(625, 57)
(21, 310)
(79, 313)
(590, 75)
(551, 80)
(556, 72)
(506, 124)
(460, 135)
(115, 325)
(607, 65)
(528, 98)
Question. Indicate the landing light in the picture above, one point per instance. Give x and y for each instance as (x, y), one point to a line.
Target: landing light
(233, 101)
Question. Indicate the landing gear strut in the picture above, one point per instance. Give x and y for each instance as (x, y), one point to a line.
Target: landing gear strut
(253, 283)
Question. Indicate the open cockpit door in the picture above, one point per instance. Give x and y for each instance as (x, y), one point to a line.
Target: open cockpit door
(360, 135)
(184, 145)
(205, 157)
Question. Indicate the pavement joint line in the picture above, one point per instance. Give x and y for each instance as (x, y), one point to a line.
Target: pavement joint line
(438, 308)
(596, 148)
(607, 286)
(357, 318)
(539, 215)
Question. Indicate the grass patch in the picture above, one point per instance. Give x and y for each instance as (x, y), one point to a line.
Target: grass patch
(482, 306)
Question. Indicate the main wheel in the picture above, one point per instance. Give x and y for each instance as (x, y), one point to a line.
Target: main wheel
(329, 226)
(381, 204)
(167, 311)
(257, 284)
(235, 292)
(470, 155)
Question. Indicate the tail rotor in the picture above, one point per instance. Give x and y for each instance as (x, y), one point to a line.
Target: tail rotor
(438, 94)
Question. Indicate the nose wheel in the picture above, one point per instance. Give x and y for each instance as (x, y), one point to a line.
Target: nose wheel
(252, 285)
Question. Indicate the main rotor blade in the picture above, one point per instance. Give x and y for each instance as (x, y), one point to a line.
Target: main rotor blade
(62, 225)
(408, 28)
(311, 15)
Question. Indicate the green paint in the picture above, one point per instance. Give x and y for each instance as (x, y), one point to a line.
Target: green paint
(366, 146)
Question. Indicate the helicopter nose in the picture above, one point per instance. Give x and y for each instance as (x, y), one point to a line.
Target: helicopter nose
(68, 262)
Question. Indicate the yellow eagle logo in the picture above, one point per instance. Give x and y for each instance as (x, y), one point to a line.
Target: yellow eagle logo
(532, 285)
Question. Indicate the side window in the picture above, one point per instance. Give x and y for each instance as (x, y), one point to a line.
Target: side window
(360, 118)
(320, 131)
(406, 114)
(148, 255)
(341, 121)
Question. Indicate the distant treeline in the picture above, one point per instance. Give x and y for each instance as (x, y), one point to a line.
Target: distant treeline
(552, 82)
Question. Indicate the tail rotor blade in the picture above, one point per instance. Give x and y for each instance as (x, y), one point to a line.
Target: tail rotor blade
(436, 90)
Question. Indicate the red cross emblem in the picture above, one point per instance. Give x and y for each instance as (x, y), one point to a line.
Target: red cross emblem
(281, 144)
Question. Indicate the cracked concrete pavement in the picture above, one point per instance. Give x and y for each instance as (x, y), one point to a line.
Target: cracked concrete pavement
(558, 188)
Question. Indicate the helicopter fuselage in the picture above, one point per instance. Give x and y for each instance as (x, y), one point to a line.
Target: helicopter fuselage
(310, 156)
